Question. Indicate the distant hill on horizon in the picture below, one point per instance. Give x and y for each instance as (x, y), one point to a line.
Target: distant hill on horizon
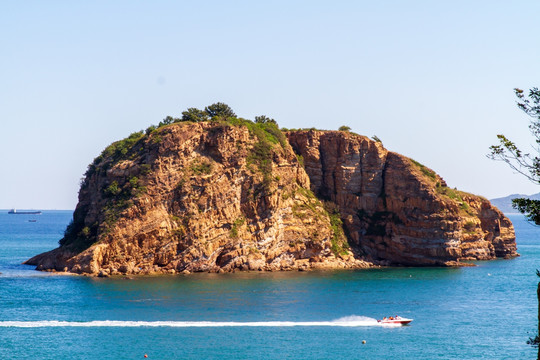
(505, 203)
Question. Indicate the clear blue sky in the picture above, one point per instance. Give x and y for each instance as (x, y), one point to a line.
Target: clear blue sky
(432, 79)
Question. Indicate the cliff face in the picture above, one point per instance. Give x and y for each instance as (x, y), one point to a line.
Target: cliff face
(198, 197)
(397, 211)
(221, 196)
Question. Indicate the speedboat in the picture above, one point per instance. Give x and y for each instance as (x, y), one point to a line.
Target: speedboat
(396, 320)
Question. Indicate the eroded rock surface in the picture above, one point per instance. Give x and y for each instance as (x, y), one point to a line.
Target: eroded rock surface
(397, 211)
(227, 196)
(199, 197)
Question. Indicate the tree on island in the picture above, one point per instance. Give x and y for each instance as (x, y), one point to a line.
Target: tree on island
(216, 110)
(526, 164)
(219, 109)
(263, 119)
(195, 115)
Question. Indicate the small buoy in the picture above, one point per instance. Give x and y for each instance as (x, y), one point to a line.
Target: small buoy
(363, 341)
(145, 355)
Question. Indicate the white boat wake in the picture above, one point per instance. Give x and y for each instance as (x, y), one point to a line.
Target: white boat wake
(349, 321)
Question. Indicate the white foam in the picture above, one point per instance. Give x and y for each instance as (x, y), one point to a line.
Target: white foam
(349, 321)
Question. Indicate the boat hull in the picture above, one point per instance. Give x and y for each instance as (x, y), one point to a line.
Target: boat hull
(16, 212)
(401, 321)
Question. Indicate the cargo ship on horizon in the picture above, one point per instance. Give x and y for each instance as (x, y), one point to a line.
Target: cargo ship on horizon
(30, 212)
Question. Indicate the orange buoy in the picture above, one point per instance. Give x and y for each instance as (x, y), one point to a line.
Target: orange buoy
(145, 355)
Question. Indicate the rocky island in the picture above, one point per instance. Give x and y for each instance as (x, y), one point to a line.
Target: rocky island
(214, 192)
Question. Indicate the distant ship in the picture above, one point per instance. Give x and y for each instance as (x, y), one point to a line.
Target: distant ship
(32, 212)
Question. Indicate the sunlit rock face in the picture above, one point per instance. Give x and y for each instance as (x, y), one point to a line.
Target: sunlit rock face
(199, 197)
(397, 211)
(227, 196)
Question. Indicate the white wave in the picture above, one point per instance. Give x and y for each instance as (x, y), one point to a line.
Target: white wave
(356, 318)
(349, 321)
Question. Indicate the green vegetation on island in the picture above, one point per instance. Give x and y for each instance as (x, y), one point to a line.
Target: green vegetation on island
(120, 196)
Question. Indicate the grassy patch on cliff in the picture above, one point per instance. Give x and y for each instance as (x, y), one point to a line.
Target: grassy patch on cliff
(313, 208)
(300, 160)
(120, 149)
(201, 167)
(118, 197)
(425, 170)
(236, 225)
(265, 132)
(340, 246)
(79, 236)
(453, 194)
(129, 189)
(469, 227)
(268, 137)
(117, 151)
(457, 196)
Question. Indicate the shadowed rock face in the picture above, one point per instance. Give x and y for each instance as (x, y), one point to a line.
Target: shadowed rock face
(223, 197)
(199, 197)
(397, 211)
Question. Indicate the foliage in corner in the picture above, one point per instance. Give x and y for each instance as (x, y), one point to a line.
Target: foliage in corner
(526, 164)
(531, 208)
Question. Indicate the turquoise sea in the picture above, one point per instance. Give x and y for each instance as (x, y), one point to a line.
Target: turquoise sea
(482, 312)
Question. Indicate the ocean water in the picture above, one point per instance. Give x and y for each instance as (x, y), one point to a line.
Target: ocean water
(482, 312)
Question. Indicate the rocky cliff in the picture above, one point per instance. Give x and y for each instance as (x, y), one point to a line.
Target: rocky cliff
(397, 211)
(227, 195)
(210, 196)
